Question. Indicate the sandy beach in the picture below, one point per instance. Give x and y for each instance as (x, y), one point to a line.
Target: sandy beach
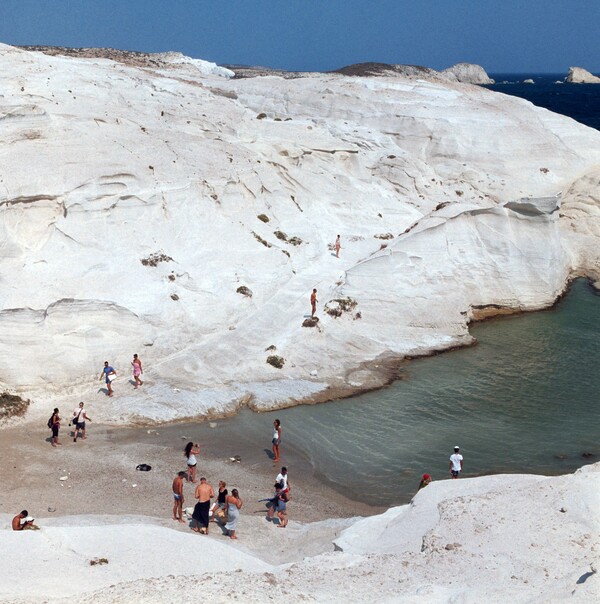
(102, 477)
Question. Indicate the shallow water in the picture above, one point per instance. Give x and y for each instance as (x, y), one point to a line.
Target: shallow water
(523, 400)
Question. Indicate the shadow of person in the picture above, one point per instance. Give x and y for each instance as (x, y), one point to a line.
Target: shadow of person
(103, 390)
(269, 453)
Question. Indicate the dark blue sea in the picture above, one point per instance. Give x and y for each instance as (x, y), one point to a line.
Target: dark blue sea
(579, 101)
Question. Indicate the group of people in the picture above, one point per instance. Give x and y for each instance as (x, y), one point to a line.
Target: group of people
(108, 374)
(455, 468)
(77, 421)
(79, 415)
(278, 503)
(226, 508)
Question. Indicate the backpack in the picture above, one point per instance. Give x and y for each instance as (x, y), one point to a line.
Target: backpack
(50, 422)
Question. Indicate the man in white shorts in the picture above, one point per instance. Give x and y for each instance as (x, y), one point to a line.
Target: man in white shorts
(456, 463)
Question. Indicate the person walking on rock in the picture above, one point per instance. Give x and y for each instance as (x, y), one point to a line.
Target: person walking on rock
(108, 374)
(456, 463)
(137, 370)
(78, 421)
(338, 245)
(178, 496)
(313, 302)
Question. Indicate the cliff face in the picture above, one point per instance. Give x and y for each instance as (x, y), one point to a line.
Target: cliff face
(136, 201)
(578, 75)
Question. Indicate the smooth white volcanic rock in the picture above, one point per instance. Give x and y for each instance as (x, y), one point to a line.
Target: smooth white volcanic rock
(517, 538)
(129, 204)
(578, 75)
(469, 73)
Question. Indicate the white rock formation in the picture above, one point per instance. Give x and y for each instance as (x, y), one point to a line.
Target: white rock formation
(528, 81)
(130, 196)
(493, 539)
(578, 75)
(469, 73)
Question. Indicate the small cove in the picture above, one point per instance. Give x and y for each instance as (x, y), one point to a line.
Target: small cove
(524, 400)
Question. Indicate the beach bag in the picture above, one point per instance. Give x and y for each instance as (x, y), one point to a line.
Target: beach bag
(112, 377)
(221, 515)
(143, 467)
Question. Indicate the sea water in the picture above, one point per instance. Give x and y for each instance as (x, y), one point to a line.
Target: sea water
(523, 400)
(578, 101)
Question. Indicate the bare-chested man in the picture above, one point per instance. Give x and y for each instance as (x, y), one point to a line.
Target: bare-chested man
(204, 493)
(178, 496)
(313, 302)
(20, 522)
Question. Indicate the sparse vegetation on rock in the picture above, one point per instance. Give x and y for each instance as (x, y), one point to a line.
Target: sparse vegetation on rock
(261, 240)
(155, 259)
(261, 116)
(310, 322)
(276, 361)
(335, 308)
(291, 240)
(174, 297)
(245, 291)
(12, 405)
(272, 347)
(384, 236)
(98, 561)
(263, 217)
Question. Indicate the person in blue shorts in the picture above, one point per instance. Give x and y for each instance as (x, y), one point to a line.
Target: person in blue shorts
(106, 374)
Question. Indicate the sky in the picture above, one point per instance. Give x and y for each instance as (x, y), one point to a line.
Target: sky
(504, 36)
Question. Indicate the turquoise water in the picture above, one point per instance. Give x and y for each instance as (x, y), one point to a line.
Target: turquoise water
(523, 400)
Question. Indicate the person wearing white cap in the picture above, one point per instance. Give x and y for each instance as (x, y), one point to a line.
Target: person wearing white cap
(456, 462)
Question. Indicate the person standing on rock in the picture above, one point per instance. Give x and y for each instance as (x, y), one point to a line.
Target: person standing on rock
(338, 245)
(456, 463)
(178, 496)
(313, 302)
(137, 370)
(78, 420)
(108, 374)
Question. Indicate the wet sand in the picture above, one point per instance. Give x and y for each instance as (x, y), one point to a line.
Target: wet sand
(101, 473)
